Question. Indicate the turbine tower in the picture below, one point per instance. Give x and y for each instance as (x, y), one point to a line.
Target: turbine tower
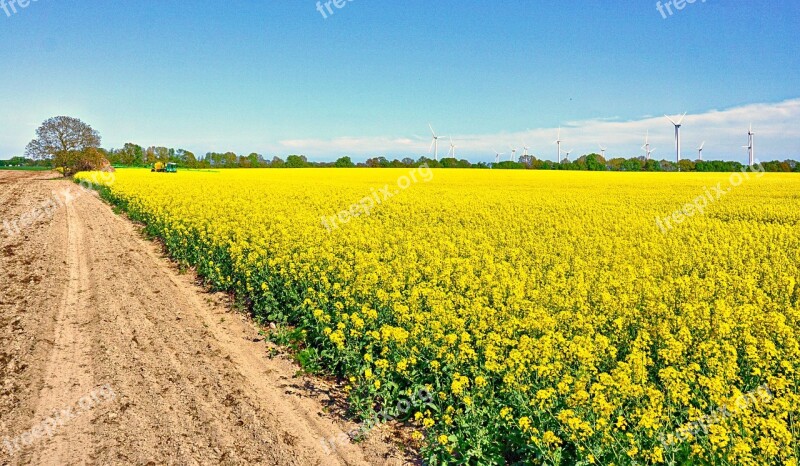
(751, 146)
(434, 144)
(568, 152)
(678, 125)
(513, 153)
(700, 151)
(603, 151)
(452, 151)
(559, 141)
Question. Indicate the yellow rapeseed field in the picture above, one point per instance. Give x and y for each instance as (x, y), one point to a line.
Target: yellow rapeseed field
(516, 316)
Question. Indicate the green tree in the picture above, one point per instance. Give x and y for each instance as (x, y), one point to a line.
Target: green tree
(150, 155)
(595, 163)
(632, 165)
(230, 160)
(254, 159)
(652, 166)
(296, 161)
(686, 165)
(344, 162)
(163, 154)
(378, 162)
(67, 142)
(449, 162)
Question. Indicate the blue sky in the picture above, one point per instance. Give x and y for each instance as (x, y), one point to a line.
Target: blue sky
(276, 77)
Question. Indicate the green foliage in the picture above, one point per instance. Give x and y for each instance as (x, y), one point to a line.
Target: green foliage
(632, 165)
(509, 165)
(595, 163)
(344, 162)
(297, 161)
(652, 166)
(686, 165)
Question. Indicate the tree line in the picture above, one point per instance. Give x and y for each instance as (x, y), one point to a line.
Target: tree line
(71, 145)
(135, 155)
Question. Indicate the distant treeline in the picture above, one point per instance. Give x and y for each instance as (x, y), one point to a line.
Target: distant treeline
(23, 162)
(133, 155)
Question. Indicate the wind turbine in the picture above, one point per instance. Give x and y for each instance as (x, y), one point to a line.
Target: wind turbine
(559, 141)
(646, 145)
(452, 151)
(513, 153)
(434, 144)
(497, 156)
(568, 152)
(677, 135)
(751, 146)
(603, 151)
(700, 150)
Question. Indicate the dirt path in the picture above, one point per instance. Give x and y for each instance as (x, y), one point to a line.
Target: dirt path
(109, 356)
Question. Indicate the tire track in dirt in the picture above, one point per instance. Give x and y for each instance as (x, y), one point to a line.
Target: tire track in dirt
(68, 376)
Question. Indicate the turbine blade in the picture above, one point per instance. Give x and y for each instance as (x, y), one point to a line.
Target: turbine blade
(682, 117)
(671, 120)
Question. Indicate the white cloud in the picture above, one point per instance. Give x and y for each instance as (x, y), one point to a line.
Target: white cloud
(724, 131)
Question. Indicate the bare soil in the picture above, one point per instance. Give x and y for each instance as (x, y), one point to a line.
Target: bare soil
(109, 355)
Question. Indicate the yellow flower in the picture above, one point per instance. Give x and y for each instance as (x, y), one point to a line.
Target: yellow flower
(550, 438)
(524, 423)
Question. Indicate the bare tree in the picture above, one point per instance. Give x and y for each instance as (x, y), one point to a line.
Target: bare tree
(67, 142)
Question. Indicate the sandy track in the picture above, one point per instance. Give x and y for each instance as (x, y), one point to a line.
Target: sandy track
(124, 361)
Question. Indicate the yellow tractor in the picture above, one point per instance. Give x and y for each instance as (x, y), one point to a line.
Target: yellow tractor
(161, 167)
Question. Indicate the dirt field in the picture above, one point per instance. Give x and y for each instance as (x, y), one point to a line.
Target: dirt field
(109, 356)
